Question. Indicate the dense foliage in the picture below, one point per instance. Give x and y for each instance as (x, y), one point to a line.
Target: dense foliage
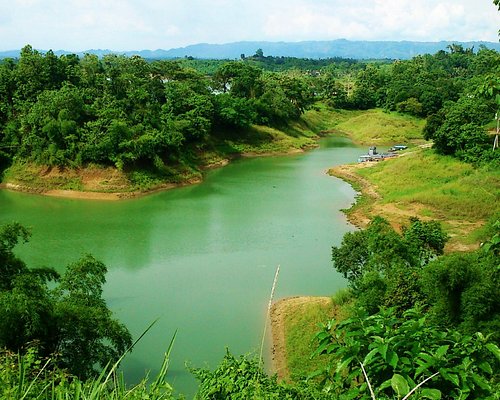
(443, 317)
(382, 265)
(62, 316)
(244, 378)
(401, 353)
(67, 111)
(129, 112)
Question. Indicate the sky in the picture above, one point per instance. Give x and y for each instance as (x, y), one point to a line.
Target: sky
(78, 25)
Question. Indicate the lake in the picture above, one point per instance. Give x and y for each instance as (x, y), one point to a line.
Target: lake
(202, 258)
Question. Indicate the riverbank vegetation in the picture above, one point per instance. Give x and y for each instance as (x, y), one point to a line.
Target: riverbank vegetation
(421, 183)
(417, 320)
(163, 122)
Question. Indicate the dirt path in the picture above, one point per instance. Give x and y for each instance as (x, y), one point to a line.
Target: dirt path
(279, 312)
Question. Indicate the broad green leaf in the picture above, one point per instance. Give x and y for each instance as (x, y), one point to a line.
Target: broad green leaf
(429, 359)
(433, 394)
(385, 385)
(383, 351)
(480, 381)
(316, 373)
(392, 359)
(344, 364)
(441, 351)
(322, 347)
(486, 367)
(453, 378)
(332, 348)
(369, 356)
(493, 348)
(399, 384)
(422, 368)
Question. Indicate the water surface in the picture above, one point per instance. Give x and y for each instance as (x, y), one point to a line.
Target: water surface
(202, 258)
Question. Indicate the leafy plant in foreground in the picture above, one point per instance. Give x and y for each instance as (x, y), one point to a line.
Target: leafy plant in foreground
(243, 379)
(400, 352)
(30, 376)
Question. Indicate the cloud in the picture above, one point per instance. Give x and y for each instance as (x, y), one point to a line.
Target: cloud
(384, 20)
(134, 24)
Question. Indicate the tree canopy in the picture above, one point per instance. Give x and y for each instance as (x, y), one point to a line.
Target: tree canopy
(67, 319)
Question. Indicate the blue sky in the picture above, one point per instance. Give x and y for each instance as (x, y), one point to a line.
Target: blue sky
(78, 25)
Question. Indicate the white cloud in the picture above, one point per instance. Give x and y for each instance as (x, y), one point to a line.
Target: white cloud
(134, 24)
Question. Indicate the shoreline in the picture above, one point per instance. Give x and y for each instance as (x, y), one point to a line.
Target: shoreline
(134, 194)
(364, 189)
(93, 195)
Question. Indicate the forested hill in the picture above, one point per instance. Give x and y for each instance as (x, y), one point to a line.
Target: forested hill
(310, 49)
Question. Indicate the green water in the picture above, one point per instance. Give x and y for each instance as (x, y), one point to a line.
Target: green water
(202, 258)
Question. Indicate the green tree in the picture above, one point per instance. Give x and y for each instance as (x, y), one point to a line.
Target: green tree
(238, 78)
(459, 128)
(70, 321)
(368, 89)
(52, 127)
(463, 290)
(233, 111)
(87, 335)
(382, 265)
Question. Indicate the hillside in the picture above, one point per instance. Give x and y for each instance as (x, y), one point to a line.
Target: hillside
(307, 49)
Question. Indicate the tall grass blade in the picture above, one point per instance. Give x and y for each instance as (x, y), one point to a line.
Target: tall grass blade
(160, 379)
(117, 363)
(32, 383)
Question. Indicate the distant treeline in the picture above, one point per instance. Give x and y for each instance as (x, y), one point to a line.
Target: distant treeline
(314, 49)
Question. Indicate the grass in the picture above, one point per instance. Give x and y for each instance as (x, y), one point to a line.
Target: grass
(32, 176)
(459, 195)
(27, 376)
(378, 127)
(301, 326)
(323, 119)
(302, 323)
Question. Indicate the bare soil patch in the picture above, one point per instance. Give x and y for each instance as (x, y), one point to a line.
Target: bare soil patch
(91, 183)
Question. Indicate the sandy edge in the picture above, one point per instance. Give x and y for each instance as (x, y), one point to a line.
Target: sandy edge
(114, 196)
(279, 311)
(89, 195)
(347, 173)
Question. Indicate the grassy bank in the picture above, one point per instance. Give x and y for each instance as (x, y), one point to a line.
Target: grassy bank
(417, 183)
(302, 318)
(462, 197)
(186, 168)
(377, 127)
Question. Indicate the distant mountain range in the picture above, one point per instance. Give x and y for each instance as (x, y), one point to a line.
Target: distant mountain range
(311, 49)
